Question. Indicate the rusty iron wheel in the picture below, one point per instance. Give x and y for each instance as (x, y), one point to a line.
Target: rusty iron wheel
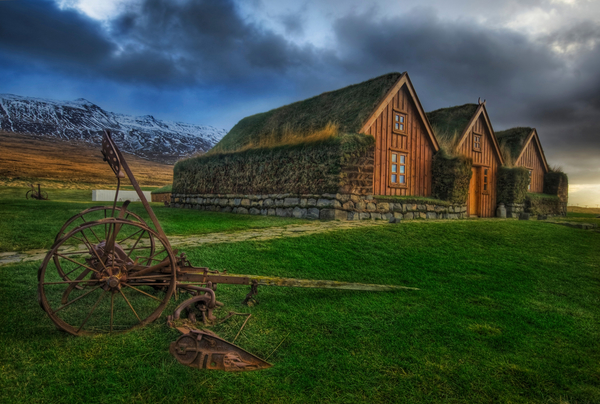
(89, 215)
(92, 214)
(103, 294)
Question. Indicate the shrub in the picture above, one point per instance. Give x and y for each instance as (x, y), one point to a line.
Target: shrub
(512, 184)
(556, 183)
(542, 204)
(451, 177)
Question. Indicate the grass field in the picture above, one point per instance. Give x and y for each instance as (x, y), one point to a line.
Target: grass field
(31, 224)
(507, 313)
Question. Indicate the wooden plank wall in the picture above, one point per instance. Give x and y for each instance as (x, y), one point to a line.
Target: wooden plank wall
(487, 157)
(532, 159)
(416, 143)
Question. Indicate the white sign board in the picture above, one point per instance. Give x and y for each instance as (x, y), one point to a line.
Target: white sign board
(109, 195)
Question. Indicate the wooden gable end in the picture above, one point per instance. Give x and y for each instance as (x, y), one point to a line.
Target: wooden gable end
(478, 141)
(413, 139)
(532, 158)
(488, 152)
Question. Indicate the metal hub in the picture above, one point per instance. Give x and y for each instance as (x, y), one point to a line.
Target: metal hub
(113, 282)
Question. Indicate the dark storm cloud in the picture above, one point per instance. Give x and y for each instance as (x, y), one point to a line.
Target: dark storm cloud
(525, 82)
(159, 42)
(459, 55)
(293, 24)
(41, 31)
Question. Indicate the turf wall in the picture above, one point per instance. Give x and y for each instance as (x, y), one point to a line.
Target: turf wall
(512, 185)
(543, 204)
(557, 183)
(451, 177)
(343, 163)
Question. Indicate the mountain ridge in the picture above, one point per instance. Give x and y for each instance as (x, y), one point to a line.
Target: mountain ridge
(81, 120)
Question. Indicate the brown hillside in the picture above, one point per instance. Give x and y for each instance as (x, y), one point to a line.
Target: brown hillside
(55, 163)
(579, 209)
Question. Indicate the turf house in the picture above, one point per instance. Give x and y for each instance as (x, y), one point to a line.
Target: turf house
(523, 148)
(363, 151)
(530, 185)
(466, 132)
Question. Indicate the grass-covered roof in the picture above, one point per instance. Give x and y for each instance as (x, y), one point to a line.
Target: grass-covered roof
(513, 140)
(347, 109)
(451, 122)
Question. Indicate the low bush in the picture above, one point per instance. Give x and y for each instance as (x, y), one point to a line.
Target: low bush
(512, 184)
(451, 177)
(542, 204)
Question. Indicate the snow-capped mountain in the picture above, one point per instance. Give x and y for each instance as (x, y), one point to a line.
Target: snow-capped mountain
(81, 120)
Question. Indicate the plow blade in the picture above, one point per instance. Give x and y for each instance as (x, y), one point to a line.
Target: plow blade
(202, 350)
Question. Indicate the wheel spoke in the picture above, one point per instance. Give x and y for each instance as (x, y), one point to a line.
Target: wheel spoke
(78, 263)
(136, 243)
(70, 282)
(91, 311)
(142, 292)
(154, 255)
(95, 252)
(128, 237)
(130, 306)
(92, 230)
(74, 300)
(112, 307)
(73, 270)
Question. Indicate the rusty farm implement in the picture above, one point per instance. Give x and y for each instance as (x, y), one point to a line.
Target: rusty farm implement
(109, 271)
(36, 193)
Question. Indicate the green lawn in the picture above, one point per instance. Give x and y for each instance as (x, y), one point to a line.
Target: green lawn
(507, 312)
(31, 224)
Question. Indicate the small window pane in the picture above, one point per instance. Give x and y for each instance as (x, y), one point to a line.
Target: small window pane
(485, 187)
(402, 179)
(485, 180)
(397, 117)
(395, 168)
(397, 126)
(394, 157)
(394, 178)
(485, 171)
(402, 119)
(402, 169)
(402, 159)
(401, 127)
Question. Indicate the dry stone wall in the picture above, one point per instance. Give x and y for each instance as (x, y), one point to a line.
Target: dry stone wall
(317, 206)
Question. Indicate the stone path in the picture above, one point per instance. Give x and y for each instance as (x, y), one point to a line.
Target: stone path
(294, 230)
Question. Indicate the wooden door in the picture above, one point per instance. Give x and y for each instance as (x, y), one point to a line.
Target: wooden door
(473, 202)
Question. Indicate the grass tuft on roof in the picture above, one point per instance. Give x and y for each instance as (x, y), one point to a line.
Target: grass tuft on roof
(513, 140)
(449, 123)
(346, 109)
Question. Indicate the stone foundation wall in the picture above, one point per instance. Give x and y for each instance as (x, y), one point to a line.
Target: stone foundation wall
(324, 206)
(513, 210)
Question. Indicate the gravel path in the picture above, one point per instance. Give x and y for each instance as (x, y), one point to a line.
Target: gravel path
(294, 230)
